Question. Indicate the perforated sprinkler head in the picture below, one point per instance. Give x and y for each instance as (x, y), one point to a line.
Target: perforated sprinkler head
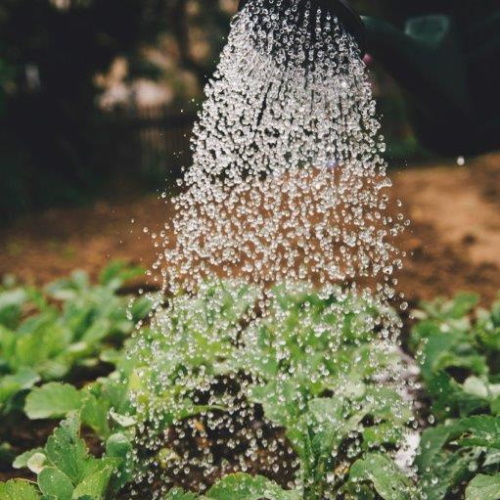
(348, 17)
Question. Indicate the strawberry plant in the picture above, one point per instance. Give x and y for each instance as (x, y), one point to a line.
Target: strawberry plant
(340, 423)
(459, 352)
(48, 335)
(66, 470)
(219, 399)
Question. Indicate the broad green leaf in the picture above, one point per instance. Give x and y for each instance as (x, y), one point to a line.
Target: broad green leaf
(95, 412)
(111, 356)
(118, 446)
(95, 484)
(384, 433)
(447, 471)
(52, 400)
(18, 489)
(11, 303)
(245, 487)
(483, 431)
(54, 483)
(330, 424)
(281, 401)
(41, 342)
(435, 348)
(495, 406)
(118, 272)
(389, 482)
(141, 307)
(483, 488)
(10, 385)
(463, 304)
(432, 442)
(99, 330)
(457, 308)
(449, 399)
(67, 451)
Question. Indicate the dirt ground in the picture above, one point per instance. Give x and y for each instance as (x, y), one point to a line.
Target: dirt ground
(453, 242)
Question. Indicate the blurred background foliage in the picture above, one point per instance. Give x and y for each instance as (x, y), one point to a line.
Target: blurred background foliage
(74, 72)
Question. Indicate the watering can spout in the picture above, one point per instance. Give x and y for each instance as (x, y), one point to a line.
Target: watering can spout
(425, 59)
(442, 62)
(340, 9)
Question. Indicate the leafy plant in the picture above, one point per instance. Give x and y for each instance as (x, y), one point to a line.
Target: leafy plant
(458, 356)
(312, 366)
(66, 469)
(239, 487)
(46, 336)
(335, 415)
(458, 353)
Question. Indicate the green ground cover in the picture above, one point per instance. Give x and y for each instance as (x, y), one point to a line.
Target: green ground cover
(63, 364)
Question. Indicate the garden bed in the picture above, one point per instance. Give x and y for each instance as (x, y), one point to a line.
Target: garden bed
(246, 393)
(65, 380)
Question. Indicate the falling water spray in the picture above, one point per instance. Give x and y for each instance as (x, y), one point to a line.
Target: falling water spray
(284, 238)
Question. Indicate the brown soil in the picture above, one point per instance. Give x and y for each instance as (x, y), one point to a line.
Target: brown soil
(453, 241)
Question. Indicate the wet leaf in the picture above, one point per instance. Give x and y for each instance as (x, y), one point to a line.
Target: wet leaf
(483, 488)
(52, 400)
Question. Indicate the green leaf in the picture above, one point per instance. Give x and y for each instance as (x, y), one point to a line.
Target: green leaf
(10, 385)
(95, 484)
(389, 482)
(118, 446)
(141, 307)
(495, 406)
(11, 303)
(483, 431)
(95, 414)
(245, 487)
(450, 399)
(67, 451)
(54, 483)
(18, 489)
(447, 472)
(22, 460)
(432, 442)
(483, 488)
(53, 400)
(463, 304)
(118, 272)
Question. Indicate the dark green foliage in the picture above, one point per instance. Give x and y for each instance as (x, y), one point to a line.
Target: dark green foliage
(456, 346)
(48, 335)
(56, 147)
(459, 352)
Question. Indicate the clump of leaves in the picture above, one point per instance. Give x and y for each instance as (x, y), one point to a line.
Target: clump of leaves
(458, 350)
(46, 335)
(66, 469)
(310, 362)
(308, 365)
(458, 356)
